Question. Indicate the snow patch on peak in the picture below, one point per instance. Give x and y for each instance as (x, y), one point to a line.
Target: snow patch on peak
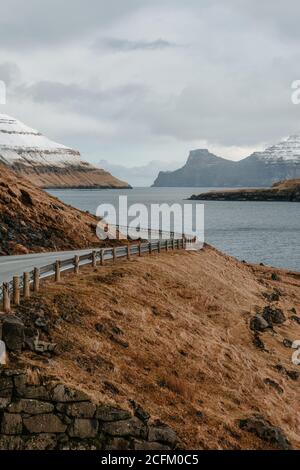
(288, 150)
(22, 144)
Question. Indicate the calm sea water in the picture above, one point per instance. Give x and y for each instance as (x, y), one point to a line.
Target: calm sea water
(267, 232)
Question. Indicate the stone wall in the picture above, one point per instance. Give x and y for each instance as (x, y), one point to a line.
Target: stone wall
(42, 415)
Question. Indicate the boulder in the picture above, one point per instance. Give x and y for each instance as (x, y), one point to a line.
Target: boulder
(266, 431)
(109, 413)
(130, 427)
(83, 428)
(295, 318)
(81, 410)
(31, 407)
(11, 443)
(6, 387)
(11, 424)
(4, 402)
(139, 411)
(287, 343)
(64, 394)
(159, 432)
(44, 423)
(258, 343)
(13, 333)
(119, 443)
(144, 445)
(273, 315)
(258, 323)
(274, 385)
(35, 392)
(41, 442)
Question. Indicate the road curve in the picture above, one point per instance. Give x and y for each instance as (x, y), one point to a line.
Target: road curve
(15, 265)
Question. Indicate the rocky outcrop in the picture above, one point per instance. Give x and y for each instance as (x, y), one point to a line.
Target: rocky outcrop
(263, 429)
(47, 163)
(204, 169)
(41, 415)
(283, 191)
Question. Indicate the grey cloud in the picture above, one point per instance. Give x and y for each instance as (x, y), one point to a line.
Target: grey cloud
(111, 102)
(9, 73)
(35, 23)
(124, 45)
(230, 87)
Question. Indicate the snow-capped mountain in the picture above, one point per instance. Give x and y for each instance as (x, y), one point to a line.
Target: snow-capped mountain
(48, 163)
(203, 169)
(287, 150)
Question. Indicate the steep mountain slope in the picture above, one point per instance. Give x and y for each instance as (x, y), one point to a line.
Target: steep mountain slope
(288, 190)
(278, 162)
(48, 163)
(31, 220)
(173, 332)
(201, 169)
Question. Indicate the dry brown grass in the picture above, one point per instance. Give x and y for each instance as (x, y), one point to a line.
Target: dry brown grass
(171, 331)
(33, 221)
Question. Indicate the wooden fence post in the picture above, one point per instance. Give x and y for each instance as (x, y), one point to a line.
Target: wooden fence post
(57, 271)
(167, 241)
(6, 298)
(102, 257)
(36, 279)
(94, 259)
(16, 290)
(158, 246)
(76, 264)
(173, 244)
(114, 255)
(150, 248)
(140, 248)
(26, 285)
(128, 252)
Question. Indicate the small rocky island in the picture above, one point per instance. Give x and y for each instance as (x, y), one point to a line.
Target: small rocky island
(288, 190)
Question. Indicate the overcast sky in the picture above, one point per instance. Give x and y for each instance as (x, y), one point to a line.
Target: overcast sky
(131, 81)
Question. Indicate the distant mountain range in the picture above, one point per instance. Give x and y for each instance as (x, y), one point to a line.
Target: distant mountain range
(47, 163)
(204, 169)
(138, 176)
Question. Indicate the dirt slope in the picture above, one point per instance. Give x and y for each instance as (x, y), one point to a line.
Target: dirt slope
(172, 332)
(31, 220)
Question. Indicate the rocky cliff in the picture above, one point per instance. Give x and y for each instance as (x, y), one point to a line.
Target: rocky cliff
(47, 163)
(281, 161)
(282, 191)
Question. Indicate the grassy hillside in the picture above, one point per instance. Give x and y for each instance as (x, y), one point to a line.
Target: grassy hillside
(172, 332)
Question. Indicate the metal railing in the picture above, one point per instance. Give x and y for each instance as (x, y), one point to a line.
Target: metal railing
(148, 233)
(22, 285)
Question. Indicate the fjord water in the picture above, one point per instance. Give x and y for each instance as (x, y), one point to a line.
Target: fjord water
(258, 232)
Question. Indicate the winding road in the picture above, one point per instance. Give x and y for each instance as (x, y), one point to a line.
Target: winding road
(15, 265)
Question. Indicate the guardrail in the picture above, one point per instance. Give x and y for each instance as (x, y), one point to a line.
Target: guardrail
(22, 285)
(148, 233)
